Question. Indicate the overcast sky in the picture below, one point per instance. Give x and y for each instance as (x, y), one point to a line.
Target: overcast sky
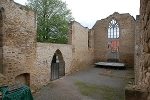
(87, 12)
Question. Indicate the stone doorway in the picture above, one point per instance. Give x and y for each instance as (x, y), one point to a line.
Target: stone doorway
(113, 41)
(57, 66)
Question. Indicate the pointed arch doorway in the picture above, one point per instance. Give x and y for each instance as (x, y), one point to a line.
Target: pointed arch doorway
(57, 66)
(113, 41)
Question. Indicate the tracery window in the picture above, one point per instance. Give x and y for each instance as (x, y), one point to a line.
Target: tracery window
(113, 41)
(113, 29)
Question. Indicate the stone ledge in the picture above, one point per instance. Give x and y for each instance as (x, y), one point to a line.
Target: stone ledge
(135, 92)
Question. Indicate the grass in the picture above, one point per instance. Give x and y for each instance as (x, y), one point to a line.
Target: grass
(37, 89)
(100, 92)
(127, 80)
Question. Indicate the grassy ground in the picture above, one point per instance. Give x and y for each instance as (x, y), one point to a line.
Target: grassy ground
(97, 91)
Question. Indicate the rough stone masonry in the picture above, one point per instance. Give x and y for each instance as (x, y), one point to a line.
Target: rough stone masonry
(24, 60)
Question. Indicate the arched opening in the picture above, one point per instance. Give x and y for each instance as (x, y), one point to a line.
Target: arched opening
(23, 79)
(113, 41)
(57, 66)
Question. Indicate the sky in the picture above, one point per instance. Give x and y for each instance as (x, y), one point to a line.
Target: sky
(87, 12)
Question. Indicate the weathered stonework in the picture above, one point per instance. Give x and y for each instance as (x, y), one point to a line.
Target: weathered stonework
(82, 54)
(142, 54)
(134, 92)
(137, 52)
(126, 38)
(18, 44)
(24, 60)
(44, 55)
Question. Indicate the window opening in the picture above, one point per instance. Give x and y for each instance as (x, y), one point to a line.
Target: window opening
(113, 41)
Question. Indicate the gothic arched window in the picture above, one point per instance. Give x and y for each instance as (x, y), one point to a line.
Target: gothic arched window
(113, 29)
(113, 41)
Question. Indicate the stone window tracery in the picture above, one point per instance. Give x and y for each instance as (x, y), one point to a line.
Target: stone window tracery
(113, 29)
(113, 41)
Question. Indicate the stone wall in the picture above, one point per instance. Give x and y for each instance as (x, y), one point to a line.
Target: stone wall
(24, 60)
(143, 78)
(45, 52)
(137, 52)
(18, 43)
(83, 55)
(126, 39)
(100, 40)
(142, 51)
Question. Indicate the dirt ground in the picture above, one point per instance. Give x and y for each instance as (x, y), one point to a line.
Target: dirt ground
(93, 83)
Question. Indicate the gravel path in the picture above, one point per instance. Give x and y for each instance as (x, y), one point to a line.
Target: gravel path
(65, 88)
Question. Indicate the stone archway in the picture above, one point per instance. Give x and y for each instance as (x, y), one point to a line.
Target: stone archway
(57, 66)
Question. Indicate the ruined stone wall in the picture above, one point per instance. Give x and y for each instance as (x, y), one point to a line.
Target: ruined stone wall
(82, 54)
(142, 53)
(19, 42)
(91, 49)
(100, 41)
(143, 78)
(137, 52)
(23, 60)
(44, 56)
(126, 38)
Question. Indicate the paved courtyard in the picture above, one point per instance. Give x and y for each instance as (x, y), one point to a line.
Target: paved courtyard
(93, 83)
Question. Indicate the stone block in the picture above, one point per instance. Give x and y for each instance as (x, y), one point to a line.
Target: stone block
(1, 66)
(148, 8)
(148, 31)
(1, 30)
(1, 37)
(145, 47)
(133, 92)
(1, 54)
(1, 44)
(145, 20)
(1, 23)
(149, 44)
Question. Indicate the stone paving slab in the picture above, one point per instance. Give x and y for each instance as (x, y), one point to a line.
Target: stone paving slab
(110, 64)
